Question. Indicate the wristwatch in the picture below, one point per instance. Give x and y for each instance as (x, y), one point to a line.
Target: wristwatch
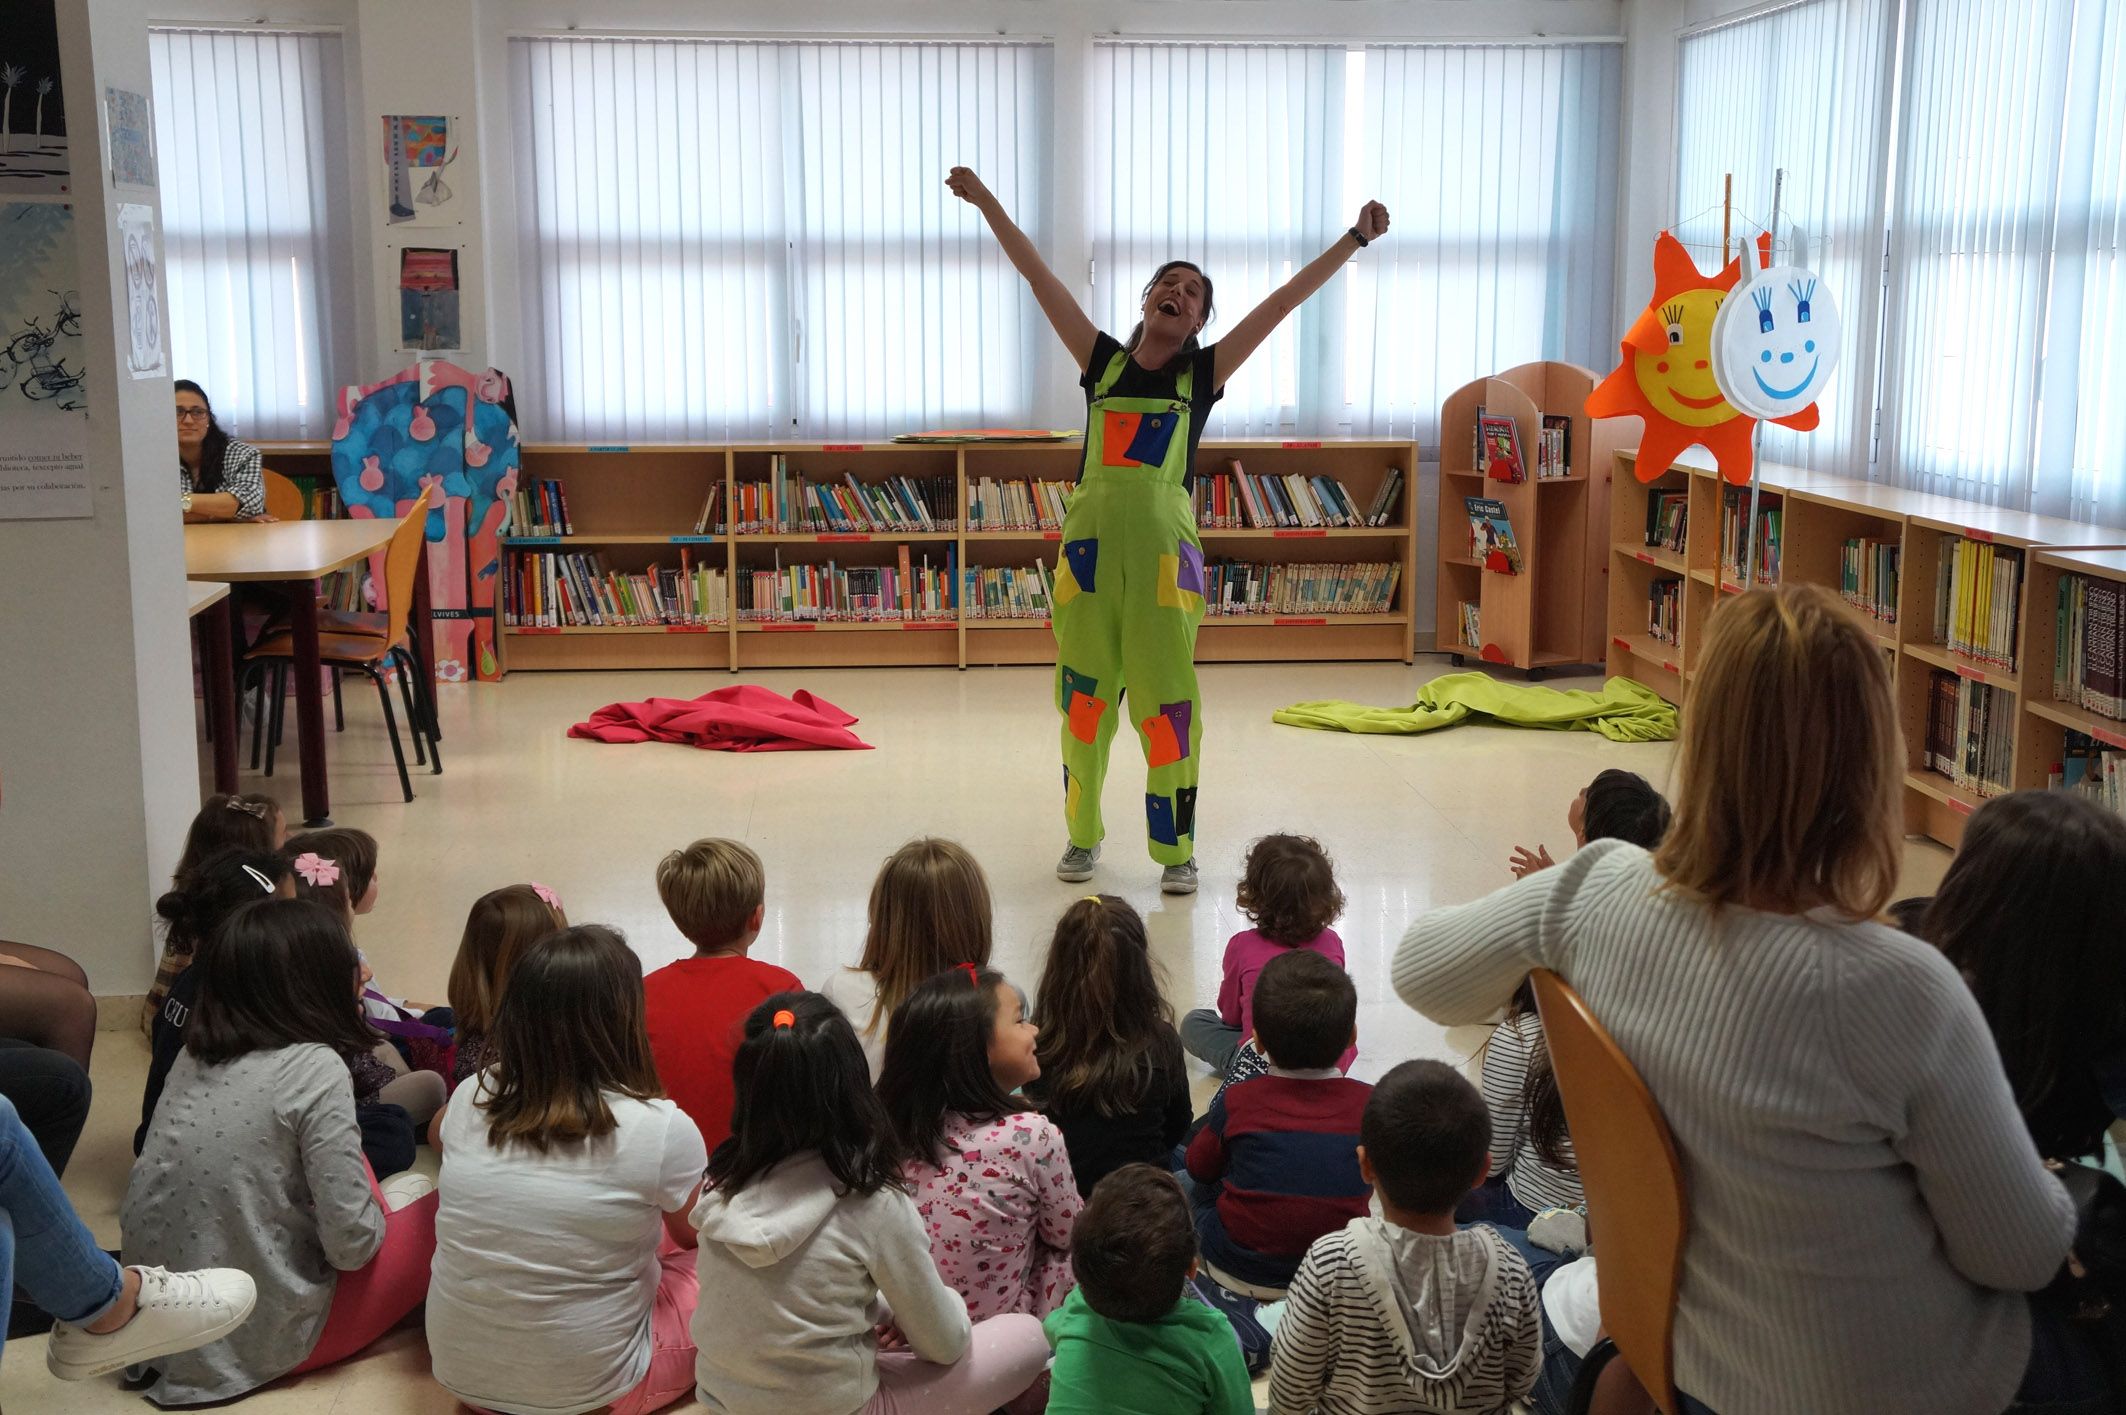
(1359, 237)
(186, 502)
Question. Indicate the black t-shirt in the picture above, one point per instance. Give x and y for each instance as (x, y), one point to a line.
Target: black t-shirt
(1138, 381)
(1101, 1144)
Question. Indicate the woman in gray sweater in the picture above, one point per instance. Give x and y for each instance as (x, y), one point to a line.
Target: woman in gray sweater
(1867, 1210)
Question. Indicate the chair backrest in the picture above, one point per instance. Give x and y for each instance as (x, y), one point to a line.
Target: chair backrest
(402, 559)
(1636, 1214)
(284, 499)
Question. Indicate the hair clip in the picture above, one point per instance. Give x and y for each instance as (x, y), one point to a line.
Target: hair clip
(316, 870)
(1092, 899)
(973, 975)
(551, 899)
(259, 877)
(785, 1019)
(254, 809)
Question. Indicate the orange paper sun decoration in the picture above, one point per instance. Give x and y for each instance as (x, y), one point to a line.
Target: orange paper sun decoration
(1666, 373)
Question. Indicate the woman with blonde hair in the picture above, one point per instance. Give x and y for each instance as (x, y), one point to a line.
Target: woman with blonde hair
(929, 911)
(1864, 1198)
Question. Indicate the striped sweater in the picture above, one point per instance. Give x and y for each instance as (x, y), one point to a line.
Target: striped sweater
(1529, 1177)
(1867, 1209)
(1383, 1320)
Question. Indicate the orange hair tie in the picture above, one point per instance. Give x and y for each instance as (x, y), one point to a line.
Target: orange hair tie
(785, 1018)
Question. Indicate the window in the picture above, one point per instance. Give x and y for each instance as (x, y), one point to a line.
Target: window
(735, 239)
(249, 140)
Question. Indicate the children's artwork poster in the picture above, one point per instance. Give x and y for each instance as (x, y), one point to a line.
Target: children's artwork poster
(418, 151)
(131, 126)
(44, 420)
(33, 150)
(143, 303)
(428, 299)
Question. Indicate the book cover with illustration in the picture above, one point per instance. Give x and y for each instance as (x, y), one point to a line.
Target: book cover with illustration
(1502, 448)
(1491, 536)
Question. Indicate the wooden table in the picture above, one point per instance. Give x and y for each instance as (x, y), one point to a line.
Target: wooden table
(298, 554)
(206, 597)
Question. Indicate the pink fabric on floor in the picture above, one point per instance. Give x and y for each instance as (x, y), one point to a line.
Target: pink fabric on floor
(376, 1297)
(671, 1372)
(745, 718)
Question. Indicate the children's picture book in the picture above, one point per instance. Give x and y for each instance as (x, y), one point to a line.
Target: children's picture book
(1502, 448)
(1491, 536)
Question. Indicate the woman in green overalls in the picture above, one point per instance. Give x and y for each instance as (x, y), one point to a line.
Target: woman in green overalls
(1129, 584)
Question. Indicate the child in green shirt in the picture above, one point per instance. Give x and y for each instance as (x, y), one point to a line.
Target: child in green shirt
(1127, 1340)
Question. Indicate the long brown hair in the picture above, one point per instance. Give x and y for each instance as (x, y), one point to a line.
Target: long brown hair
(502, 924)
(1105, 1022)
(1540, 1100)
(1791, 762)
(569, 1032)
(352, 852)
(937, 1061)
(278, 973)
(929, 910)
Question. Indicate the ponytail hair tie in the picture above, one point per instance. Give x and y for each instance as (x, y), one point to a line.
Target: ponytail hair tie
(974, 976)
(1092, 899)
(785, 1019)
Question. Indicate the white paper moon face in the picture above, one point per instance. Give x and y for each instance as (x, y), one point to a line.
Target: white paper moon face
(1776, 343)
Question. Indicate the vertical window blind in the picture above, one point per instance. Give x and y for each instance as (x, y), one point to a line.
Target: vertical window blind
(736, 239)
(250, 149)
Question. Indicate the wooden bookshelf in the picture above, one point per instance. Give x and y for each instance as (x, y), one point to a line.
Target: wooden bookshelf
(1552, 612)
(1820, 512)
(637, 506)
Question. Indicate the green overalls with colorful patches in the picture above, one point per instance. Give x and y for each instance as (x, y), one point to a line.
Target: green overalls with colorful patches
(1129, 596)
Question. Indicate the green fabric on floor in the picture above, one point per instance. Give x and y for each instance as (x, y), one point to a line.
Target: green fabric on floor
(1624, 711)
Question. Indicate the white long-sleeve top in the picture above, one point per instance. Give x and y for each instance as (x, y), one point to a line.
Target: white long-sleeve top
(1866, 1207)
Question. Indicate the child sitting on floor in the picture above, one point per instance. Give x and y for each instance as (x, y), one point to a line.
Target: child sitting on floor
(715, 892)
(1288, 890)
(501, 924)
(254, 1160)
(828, 1302)
(1131, 1339)
(1406, 1311)
(1112, 1075)
(225, 822)
(992, 1180)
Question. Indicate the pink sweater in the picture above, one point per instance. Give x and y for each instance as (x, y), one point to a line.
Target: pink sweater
(999, 1213)
(1246, 954)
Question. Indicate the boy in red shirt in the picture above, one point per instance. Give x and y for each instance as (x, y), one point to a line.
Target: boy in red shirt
(696, 1008)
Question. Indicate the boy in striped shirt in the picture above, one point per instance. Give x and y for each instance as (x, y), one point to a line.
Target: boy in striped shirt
(1403, 1311)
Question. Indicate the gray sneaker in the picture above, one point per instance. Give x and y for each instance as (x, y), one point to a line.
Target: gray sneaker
(1179, 879)
(1077, 863)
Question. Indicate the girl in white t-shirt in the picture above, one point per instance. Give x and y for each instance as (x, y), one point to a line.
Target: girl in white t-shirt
(564, 1271)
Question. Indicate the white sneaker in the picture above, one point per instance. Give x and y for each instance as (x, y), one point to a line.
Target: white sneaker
(408, 1186)
(1179, 879)
(1077, 863)
(177, 1312)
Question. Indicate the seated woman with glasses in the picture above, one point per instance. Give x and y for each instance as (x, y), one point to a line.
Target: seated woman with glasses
(221, 479)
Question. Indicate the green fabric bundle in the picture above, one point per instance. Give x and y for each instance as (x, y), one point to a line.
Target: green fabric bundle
(1624, 711)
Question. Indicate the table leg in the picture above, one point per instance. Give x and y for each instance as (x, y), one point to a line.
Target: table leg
(309, 705)
(217, 668)
(421, 629)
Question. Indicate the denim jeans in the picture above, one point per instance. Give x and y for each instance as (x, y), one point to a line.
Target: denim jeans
(1209, 1040)
(42, 1241)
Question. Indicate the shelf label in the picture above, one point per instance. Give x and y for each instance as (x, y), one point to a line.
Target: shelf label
(693, 540)
(1972, 533)
(2107, 737)
(1671, 668)
(1730, 587)
(1624, 644)
(533, 540)
(686, 628)
(1051, 535)
(536, 629)
(841, 447)
(1304, 533)
(929, 624)
(1645, 556)
(1962, 808)
(606, 449)
(1298, 621)
(787, 628)
(1299, 446)
(841, 537)
(1964, 670)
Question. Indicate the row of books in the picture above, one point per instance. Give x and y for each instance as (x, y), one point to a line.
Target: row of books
(578, 589)
(1977, 591)
(1734, 517)
(1236, 499)
(1024, 505)
(346, 591)
(850, 594)
(1471, 625)
(1008, 591)
(1495, 448)
(790, 503)
(1867, 577)
(540, 508)
(1491, 541)
(1664, 610)
(1970, 733)
(711, 519)
(2089, 645)
(1242, 587)
(2094, 770)
(1667, 519)
(321, 497)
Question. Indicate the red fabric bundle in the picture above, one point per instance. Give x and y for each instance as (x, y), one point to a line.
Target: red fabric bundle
(741, 719)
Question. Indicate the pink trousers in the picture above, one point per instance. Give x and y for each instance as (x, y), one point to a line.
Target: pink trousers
(376, 1297)
(671, 1372)
(1006, 1355)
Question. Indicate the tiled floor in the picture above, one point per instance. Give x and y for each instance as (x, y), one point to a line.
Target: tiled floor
(1411, 822)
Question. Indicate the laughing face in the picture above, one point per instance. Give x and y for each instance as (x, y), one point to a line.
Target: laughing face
(1176, 303)
(1678, 380)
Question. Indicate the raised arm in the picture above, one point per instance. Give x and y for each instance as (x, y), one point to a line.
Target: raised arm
(1246, 337)
(1072, 325)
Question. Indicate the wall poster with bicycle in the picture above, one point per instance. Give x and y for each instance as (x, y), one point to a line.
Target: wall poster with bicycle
(44, 421)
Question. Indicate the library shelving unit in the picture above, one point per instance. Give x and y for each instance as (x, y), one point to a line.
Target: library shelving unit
(637, 506)
(1552, 612)
(1820, 512)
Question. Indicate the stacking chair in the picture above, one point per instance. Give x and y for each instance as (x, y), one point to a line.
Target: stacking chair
(284, 499)
(1637, 1215)
(370, 654)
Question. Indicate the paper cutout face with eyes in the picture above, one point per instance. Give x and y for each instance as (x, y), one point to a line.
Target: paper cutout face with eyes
(1776, 343)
